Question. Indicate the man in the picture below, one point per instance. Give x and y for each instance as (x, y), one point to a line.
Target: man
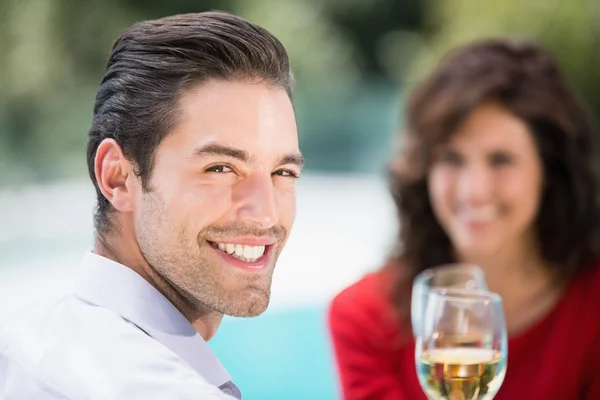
(193, 152)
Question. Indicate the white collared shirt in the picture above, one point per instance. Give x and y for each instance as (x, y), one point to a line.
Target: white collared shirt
(114, 337)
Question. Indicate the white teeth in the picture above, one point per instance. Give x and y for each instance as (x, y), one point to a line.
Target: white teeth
(243, 252)
(248, 251)
(239, 250)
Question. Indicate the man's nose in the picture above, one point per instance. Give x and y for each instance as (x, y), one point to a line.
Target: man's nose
(256, 201)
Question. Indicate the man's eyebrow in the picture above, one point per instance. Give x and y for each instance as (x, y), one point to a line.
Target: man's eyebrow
(213, 149)
(295, 158)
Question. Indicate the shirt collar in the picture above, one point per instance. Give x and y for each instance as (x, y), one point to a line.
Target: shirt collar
(111, 285)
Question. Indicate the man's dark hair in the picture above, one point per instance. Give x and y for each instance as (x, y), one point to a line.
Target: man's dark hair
(153, 63)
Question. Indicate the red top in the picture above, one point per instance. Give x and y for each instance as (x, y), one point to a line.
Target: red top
(557, 358)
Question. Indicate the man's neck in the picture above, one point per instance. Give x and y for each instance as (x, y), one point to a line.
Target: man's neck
(127, 252)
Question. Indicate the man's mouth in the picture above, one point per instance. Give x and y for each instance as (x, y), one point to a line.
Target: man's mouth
(242, 252)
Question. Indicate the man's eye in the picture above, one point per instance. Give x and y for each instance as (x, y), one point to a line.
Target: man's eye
(219, 168)
(286, 173)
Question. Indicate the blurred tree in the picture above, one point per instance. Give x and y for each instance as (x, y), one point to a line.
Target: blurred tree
(570, 30)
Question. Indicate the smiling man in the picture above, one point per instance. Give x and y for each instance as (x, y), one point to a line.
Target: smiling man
(193, 152)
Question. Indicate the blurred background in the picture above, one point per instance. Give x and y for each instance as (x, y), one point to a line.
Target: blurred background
(354, 61)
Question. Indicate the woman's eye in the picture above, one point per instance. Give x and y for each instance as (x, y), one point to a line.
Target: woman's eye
(500, 159)
(450, 157)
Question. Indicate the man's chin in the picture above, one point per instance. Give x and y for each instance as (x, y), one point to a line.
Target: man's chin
(251, 306)
(246, 311)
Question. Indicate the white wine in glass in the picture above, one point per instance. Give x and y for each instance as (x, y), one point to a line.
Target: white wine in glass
(458, 275)
(462, 351)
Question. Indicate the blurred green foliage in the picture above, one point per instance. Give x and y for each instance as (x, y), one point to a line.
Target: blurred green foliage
(569, 30)
(351, 58)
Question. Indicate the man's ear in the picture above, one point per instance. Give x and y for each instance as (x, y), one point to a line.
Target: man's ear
(114, 174)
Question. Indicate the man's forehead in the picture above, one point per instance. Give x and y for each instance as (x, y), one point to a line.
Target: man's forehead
(232, 95)
(239, 111)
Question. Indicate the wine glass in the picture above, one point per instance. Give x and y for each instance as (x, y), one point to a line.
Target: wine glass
(458, 275)
(461, 352)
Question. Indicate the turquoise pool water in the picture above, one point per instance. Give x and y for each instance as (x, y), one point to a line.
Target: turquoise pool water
(279, 356)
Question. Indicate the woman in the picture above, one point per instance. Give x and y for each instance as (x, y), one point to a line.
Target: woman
(496, 171)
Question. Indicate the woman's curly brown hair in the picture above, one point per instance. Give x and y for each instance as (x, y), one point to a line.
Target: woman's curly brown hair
(526, 81)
